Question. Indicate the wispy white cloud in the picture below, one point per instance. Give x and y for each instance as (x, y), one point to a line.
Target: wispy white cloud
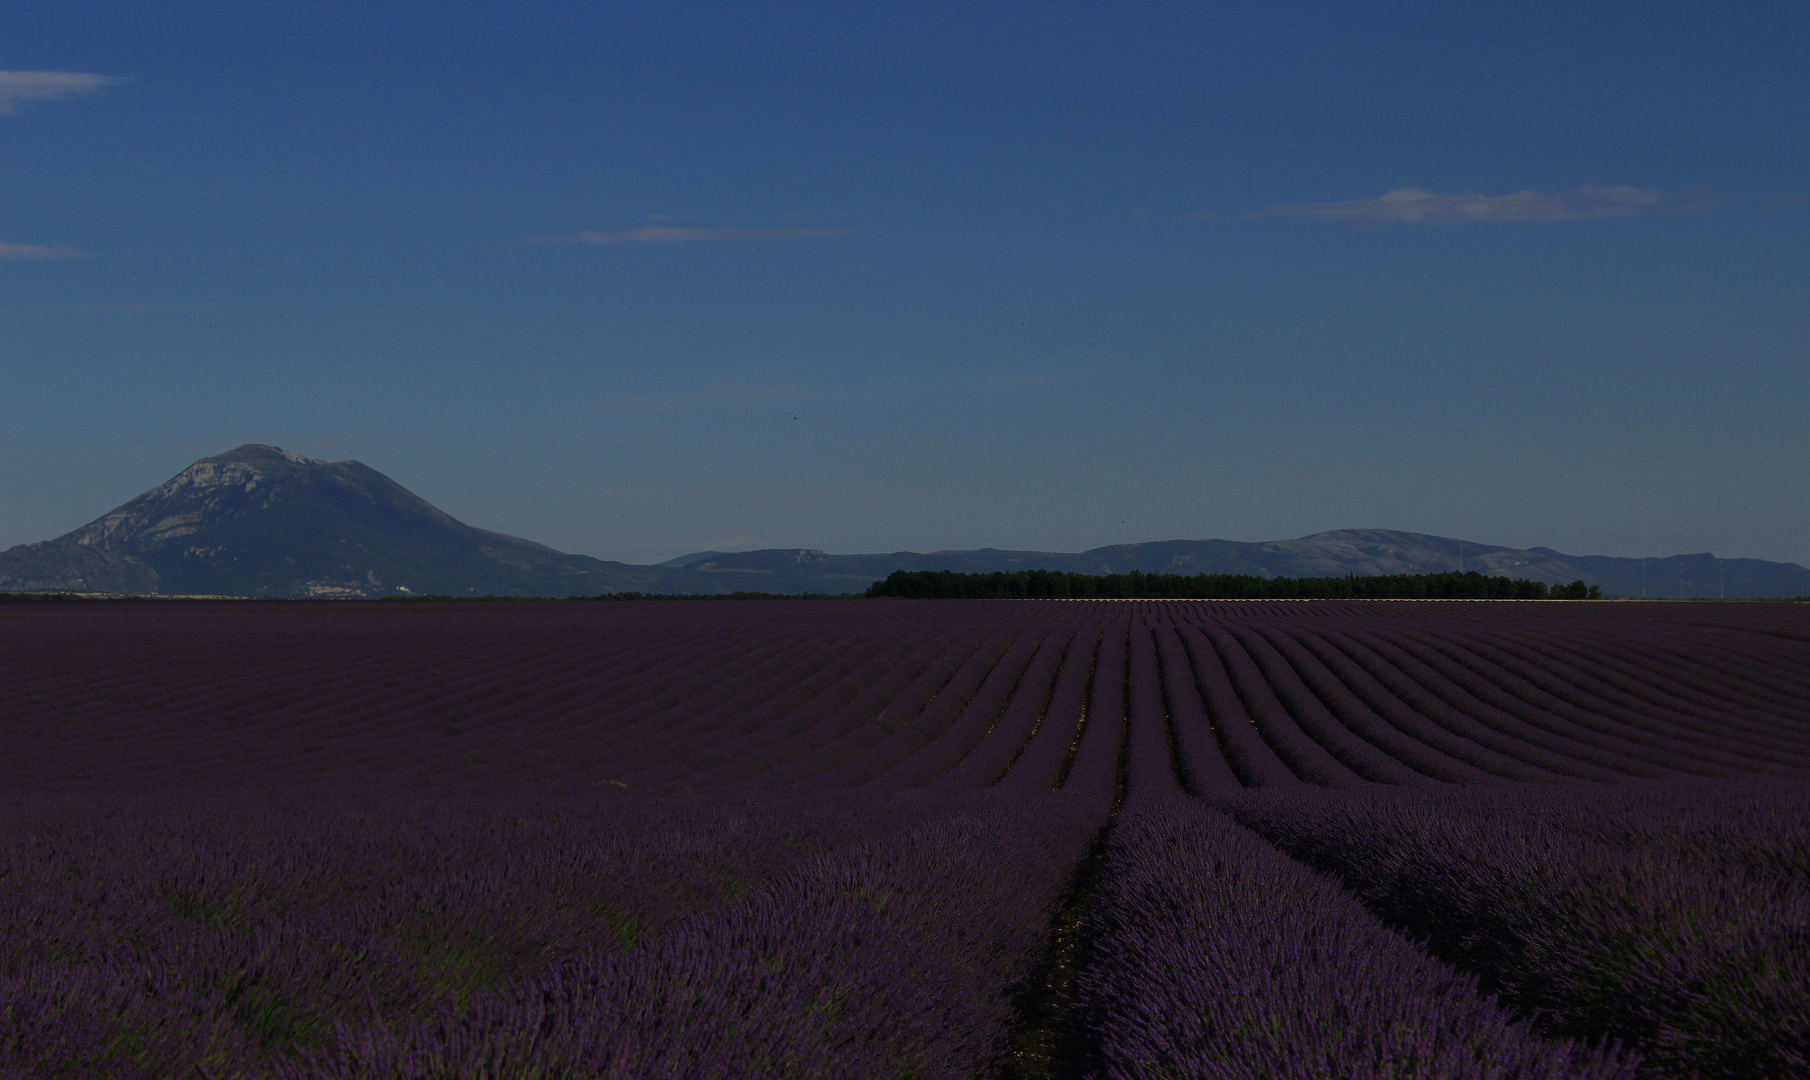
(22, 86)
(1412, 206)
(668, 234)
(40, 251)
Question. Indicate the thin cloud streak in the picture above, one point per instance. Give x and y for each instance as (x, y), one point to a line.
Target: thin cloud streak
(1412, 206)
(21, 86)
(40, 251)
(666, 234)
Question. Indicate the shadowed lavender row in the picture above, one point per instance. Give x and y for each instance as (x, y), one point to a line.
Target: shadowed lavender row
(140, 936)
(418, 841)
(1215, 956)
(895, 958)
(900, 694)
(1675, 920)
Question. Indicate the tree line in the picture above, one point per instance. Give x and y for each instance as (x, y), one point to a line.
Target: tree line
(1137, 585)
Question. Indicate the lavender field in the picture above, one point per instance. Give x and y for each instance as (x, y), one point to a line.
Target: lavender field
(914, 839)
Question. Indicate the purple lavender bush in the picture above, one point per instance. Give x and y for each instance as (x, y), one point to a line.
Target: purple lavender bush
(142, 936)
(1698, 959)
(896, 958)
(1215, 956)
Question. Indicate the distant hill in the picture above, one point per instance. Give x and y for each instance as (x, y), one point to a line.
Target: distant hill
(260, 521)
(1341, 551)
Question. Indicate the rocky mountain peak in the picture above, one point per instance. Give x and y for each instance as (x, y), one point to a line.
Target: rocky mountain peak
(224, 485)
(259, 520)
(255, 453)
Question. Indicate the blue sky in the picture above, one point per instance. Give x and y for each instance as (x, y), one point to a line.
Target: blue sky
(635, 280)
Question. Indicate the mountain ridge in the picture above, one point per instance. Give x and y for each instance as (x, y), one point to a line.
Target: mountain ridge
(262, 521)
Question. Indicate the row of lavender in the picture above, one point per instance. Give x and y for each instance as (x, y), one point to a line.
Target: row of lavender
(1659, 928)
(1671, 918)
(1215, 956)
(145, 936)
(904, 696)
(1342, 705)
(433, 933)
(604, 929)
(517, 935)
(1208, 953)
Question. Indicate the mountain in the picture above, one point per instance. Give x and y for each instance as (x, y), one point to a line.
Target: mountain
(57, 567)
(1342, 551)
(260, 521)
